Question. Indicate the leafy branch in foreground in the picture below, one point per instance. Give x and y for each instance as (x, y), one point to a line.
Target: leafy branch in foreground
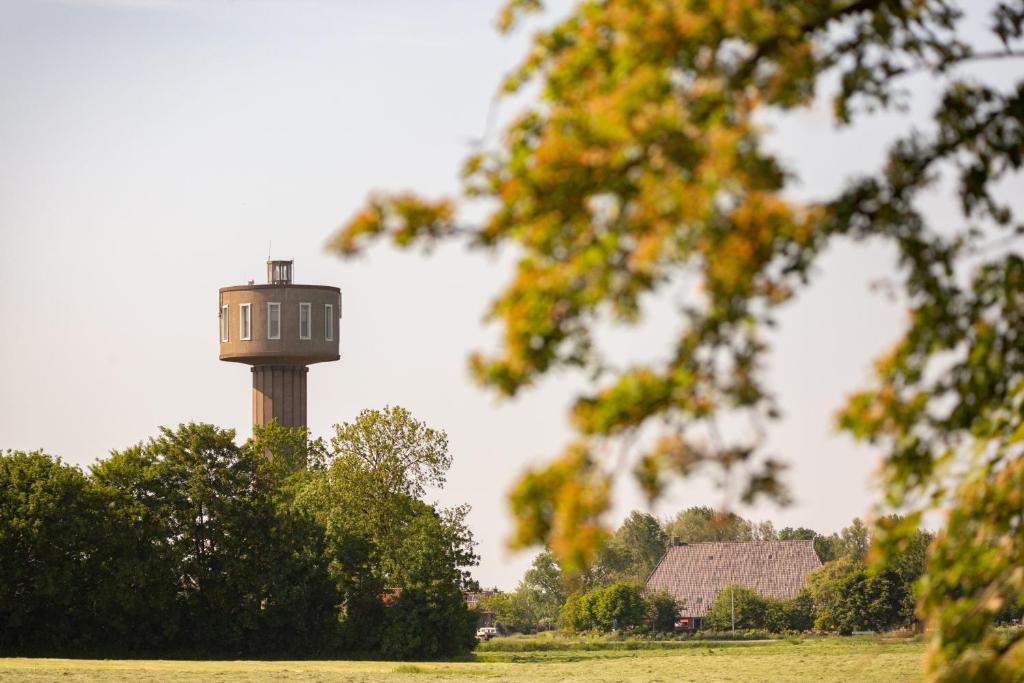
(642, 163)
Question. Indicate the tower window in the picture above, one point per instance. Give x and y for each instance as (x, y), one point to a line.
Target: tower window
(224, 323)
(328, 322)
(304, 325)
(245, 322)
(273, 320)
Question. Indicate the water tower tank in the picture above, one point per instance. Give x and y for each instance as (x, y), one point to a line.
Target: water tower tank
(279, 328)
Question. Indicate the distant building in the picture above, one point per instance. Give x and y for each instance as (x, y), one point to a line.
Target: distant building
(390, 596)
(694, 574)
(473, 597)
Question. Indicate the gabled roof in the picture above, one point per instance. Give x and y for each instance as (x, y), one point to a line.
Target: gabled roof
(696, 573)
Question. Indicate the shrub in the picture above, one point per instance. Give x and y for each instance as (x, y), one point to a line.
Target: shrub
(568, 614)
(747, 605)
(662, 611)
(620, 605)
(428, 623)
(865, 603)
(754, 611)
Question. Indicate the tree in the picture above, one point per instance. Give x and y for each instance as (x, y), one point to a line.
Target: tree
(403, 455)
(515, 611)
(194, 482)
(643, 162)
(643, 542)
(543, 583)
(847, 595)
(214, 525)
(377, 465)
(569, 614)
(746, 604)
(632, 552)
(183, 544)
(545, 577)
(852, 541)
(663, 611)
(380, 535)
(620, 605)
(863, 602)
(798, 534)
(823, 582)
(144, 613)
(584, 616)
(51, 547)
(703, 524)
(191, 545)
(796, 614)
(537, 600)
(287, 547)
(751, 610)
(430, 618)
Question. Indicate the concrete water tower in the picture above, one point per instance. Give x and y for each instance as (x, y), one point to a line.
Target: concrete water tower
(279, 329)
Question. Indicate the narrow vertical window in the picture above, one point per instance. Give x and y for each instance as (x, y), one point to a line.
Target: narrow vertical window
(224, 323)
(244, 320)
(273, 321)
(304, 324)
(328, 322)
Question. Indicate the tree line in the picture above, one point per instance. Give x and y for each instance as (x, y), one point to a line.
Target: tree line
(844, 595)
(191, 545)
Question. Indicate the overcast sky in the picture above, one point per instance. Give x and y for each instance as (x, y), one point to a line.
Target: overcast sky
(151, 150)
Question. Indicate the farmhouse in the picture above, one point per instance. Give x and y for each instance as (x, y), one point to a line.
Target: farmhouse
(696, 573)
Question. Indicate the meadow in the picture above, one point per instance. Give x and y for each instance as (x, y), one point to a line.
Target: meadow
(819, 660)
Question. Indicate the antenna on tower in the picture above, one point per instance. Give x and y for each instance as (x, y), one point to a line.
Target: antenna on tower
(268, 249)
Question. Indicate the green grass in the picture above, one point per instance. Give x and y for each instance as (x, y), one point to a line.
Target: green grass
(815, 660)
(544, 643)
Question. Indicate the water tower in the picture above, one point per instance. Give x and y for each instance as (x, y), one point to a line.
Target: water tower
(280, 329)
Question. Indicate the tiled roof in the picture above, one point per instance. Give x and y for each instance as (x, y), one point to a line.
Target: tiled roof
(696, 573)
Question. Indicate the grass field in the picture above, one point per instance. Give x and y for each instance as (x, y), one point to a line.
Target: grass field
(811, 660)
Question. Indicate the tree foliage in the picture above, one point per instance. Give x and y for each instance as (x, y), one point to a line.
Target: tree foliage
(536, 602)
(631, 553)
(852, 542)
(51, 526)
(752, 610)
(663, 611)
(191, 545)
(381, 535)
(641, 162)
(544, 579)
(848, 595)
(703, 524)
(864, 602)
(399, 454)
(618, 606)
(513, 611)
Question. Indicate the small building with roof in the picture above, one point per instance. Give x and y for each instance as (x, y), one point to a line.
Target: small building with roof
(695, 573)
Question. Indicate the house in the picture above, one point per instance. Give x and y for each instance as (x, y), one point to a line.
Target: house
(390, 596)
(694, 574)
(473, 597)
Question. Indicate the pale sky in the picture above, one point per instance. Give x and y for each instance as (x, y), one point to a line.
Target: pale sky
(151, 149)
